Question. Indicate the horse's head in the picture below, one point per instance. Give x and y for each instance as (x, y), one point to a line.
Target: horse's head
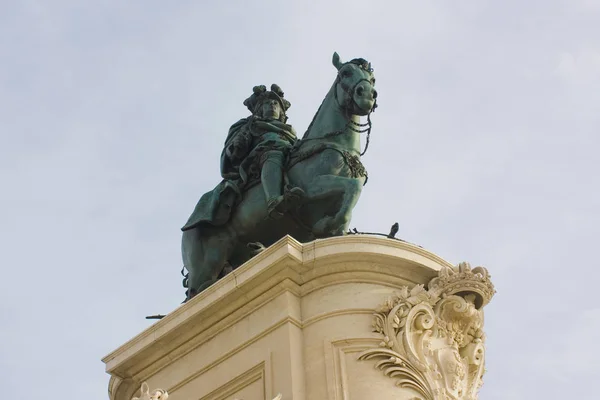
(355, 83)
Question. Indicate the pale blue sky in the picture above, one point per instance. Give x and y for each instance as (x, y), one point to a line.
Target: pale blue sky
(484, 149)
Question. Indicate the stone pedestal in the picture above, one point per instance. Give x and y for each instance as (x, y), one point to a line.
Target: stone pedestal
(355, 317)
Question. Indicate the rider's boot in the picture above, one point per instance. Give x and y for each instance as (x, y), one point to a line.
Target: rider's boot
(272, 181)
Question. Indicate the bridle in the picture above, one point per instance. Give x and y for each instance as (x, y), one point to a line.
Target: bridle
(353, 126)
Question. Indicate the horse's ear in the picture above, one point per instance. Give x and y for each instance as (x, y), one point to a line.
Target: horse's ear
(337, 63)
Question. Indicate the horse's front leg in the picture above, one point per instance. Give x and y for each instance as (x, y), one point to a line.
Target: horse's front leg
(334, 187)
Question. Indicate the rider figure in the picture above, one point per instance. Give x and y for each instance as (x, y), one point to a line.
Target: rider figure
(256, 149)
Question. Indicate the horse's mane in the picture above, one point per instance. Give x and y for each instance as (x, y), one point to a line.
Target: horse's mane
(314, 118)
(358, 61)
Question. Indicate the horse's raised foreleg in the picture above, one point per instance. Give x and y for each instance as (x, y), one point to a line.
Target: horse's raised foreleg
(205, 253)
(333, 187)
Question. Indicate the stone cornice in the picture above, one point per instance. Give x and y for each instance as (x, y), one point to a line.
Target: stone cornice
(286, 266)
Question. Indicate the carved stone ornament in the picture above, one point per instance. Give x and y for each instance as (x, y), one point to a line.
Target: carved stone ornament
(157, 394)
(432, 339)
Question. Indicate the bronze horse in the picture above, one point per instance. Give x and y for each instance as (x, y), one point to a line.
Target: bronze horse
(325, 163)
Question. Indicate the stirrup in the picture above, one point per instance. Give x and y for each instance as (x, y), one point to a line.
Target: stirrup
(274, 206)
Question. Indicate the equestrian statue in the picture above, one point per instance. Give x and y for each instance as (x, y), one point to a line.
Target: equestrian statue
(274, 184)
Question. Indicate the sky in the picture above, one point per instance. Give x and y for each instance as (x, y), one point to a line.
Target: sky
(484, 149)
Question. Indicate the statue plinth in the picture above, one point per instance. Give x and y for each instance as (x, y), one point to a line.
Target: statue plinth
(357, 317)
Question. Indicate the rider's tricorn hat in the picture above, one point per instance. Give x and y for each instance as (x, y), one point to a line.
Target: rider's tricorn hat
(260, 94)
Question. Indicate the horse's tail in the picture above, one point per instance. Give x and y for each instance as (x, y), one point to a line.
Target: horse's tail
(184, 283)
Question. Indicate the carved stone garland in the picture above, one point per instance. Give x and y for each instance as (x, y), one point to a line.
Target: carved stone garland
(433, 340)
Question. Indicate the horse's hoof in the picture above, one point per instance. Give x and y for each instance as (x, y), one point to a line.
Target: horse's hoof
(256, 248)
(339, 232)
(190, 294)
(227, 269)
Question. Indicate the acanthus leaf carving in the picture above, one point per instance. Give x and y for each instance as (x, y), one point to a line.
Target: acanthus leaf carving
(432, 339)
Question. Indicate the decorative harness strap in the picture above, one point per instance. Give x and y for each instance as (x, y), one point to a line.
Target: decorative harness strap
(357, 169)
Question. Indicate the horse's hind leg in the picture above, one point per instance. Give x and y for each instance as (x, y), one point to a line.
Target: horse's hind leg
(204, 256)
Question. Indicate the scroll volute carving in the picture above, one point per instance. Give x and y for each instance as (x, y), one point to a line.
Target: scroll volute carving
(432, 339)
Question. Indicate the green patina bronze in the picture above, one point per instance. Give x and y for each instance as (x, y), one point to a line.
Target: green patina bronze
(274, 184)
